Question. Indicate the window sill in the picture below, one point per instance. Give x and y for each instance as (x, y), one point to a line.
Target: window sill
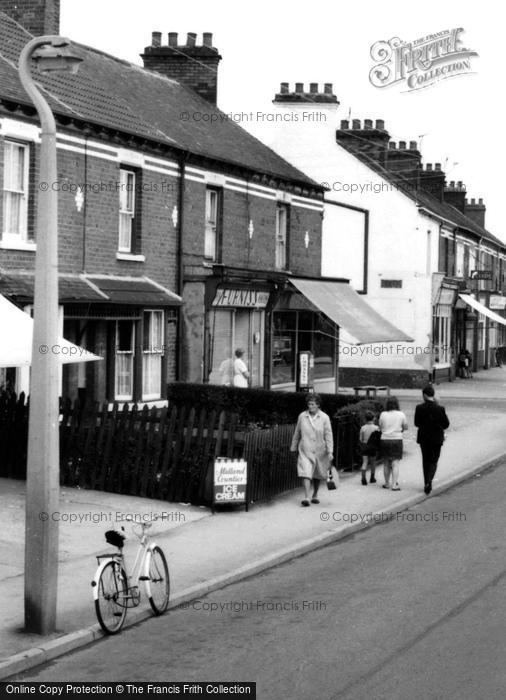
(130, 257)
(18, 245)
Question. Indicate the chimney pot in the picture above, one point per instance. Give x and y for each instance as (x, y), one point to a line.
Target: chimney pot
(412, 145)
(459, 185)
(452, 184)
(402, 145)
(313, 88)
(380, 124)
(480, 202)
(428, 167)
(327, 88)
(156, 39)
(172, 38)
(437, 167)
(355, 124)
(473, 201)
(284, 89)
(367, 123)
(299, 87)
(207, 39)
(345, 124)
(191, 39)
(392, 145)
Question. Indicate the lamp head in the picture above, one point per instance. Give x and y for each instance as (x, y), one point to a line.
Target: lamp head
(56, 56)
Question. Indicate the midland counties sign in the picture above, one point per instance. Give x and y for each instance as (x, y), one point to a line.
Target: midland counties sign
(420, 63)
(230, 481)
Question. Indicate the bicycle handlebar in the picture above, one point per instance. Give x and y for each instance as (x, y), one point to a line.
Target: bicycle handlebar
(143, 525)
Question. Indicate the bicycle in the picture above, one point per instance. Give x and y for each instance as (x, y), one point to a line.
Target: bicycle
(114, 591)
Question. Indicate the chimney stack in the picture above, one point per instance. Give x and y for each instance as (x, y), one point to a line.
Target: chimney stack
(476, 211)
(433, 181)
(39, 17)
(364, 139)
(455, 194)
(300, 96)
(190, 64)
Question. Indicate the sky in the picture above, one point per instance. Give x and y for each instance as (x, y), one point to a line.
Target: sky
(265, 43)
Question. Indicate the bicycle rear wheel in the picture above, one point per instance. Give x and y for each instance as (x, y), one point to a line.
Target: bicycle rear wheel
(111, 603)
(158, 584)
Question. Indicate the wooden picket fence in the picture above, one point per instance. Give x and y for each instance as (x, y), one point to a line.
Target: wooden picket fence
(164, 453)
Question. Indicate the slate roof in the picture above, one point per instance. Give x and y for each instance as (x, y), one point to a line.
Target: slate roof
(423, 198)
(120, 95)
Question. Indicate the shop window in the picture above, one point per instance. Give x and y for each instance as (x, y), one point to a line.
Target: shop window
(295, 332)
(153, 350)
(281, 256)
(441, 334)
(324, 348)
(284, 347)
(15, 192)
(124, 364)
(212, 233)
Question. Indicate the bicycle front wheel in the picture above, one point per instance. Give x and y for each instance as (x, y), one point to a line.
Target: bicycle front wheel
(158, 583)
(111, 603)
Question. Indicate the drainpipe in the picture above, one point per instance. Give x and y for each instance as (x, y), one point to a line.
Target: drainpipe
(180, 265)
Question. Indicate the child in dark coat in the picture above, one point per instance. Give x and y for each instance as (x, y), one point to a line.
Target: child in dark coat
(369, 445)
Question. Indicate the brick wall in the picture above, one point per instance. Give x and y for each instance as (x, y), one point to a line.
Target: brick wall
(88, 239)
(39, 17)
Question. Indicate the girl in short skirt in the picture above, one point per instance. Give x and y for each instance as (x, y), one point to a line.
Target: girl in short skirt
(392, 423)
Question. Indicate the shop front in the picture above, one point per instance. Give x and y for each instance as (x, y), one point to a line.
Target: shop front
(287, 328)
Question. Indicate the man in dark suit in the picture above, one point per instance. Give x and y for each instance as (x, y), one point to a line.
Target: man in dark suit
(431, 421)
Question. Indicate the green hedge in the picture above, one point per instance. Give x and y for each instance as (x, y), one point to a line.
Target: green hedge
(359, 408)
(259, 406)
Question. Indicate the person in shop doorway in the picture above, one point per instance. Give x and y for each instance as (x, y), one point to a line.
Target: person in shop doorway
(431, 421)
(226, 371)
(241, 374)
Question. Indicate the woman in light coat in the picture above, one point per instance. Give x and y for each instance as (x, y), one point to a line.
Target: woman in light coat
(314, 442)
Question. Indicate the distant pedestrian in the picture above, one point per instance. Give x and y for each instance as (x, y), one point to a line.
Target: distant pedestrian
(465, 360)
(241, 374)
(431, 421)
(392, 423)
(314, 442)
(369, 446)
(469, 364)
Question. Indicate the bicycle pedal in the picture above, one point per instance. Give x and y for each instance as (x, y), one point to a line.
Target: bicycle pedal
(144, 578)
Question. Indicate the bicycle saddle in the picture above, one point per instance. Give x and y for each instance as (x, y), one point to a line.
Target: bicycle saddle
(115, 538)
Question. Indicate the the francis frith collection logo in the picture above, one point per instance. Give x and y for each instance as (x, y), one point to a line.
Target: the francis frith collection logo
(420, 63)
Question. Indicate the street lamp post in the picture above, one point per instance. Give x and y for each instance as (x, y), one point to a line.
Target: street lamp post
(43, 469)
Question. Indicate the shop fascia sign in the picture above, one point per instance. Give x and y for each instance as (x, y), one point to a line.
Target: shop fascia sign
(244, 298)
(497, 302)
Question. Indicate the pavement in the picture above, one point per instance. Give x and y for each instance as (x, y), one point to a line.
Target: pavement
(207, 552)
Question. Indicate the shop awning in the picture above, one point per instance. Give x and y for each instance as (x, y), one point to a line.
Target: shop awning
(16, 340)
(473, 303)
(342, 305)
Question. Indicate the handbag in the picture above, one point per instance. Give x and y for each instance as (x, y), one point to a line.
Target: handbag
(332, 479)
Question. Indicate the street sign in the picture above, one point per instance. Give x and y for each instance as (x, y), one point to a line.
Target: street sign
(230, 481)
(481, 274)
(497, 301)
